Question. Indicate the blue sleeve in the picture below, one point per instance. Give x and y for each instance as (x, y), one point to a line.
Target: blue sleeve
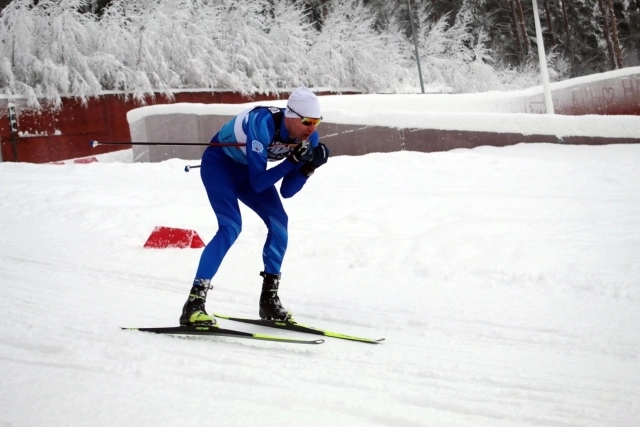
(260, 130)
(294, 181)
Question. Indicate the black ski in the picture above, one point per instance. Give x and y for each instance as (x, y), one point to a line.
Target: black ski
(214, 330)
(292, 325)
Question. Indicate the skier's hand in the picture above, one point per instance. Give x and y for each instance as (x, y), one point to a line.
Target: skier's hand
(320, 157)
(301, 152)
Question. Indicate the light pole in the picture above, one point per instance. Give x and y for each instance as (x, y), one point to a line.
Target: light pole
(548, 101)
(415, 44)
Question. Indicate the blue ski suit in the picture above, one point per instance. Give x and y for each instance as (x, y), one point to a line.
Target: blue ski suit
(232, 174)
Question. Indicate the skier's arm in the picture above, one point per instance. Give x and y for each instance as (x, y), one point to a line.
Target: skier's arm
(292, 183)
(294, 180)
(260, 130)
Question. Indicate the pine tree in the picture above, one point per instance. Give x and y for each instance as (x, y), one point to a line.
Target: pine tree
(515, 29)
(551, 38)
(613, 24)
(522, 22)
(632, 31)
(607, 33)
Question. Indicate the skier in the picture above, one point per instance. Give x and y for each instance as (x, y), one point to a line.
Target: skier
(232, 174)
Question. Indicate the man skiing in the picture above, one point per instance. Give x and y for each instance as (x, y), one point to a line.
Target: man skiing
(231, 174)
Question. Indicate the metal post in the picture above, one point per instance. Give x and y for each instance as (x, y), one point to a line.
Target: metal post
(548, 101)
(13, 127)
(415, 43)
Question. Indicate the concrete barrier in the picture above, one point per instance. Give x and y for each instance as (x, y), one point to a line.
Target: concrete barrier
(595, 110)
(359, 139)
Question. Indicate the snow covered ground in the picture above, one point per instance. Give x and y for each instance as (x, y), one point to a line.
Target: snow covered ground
(505, 280)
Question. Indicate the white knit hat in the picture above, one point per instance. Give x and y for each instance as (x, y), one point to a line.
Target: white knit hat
(304, 102)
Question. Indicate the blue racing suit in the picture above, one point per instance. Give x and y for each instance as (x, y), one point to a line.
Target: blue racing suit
(230, 174)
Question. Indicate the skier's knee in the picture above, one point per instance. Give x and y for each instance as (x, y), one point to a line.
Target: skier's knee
(231, 230)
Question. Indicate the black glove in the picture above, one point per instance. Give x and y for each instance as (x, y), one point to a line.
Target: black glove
(301, 152)
(320, 157)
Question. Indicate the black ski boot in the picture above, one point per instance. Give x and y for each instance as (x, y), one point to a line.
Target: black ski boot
(270, 306)
(193, 312)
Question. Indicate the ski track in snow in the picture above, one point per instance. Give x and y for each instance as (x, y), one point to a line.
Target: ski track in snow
(505, 282)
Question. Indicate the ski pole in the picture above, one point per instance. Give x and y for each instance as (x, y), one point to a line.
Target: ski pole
(207, 144)
(188, 168)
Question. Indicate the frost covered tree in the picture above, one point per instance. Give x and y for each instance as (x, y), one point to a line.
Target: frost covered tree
(51, 48)
(350, 53)
(18, 59)
(246, 47)
(48, 46)
(396, 61)
(66, 47)
(292, 35)
(116, 58)
(445, 50)
(139, 50)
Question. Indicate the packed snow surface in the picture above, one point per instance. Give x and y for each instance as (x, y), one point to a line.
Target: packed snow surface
(506, 282)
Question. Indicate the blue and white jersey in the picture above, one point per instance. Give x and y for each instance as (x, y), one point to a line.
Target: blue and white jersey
(256, 128)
